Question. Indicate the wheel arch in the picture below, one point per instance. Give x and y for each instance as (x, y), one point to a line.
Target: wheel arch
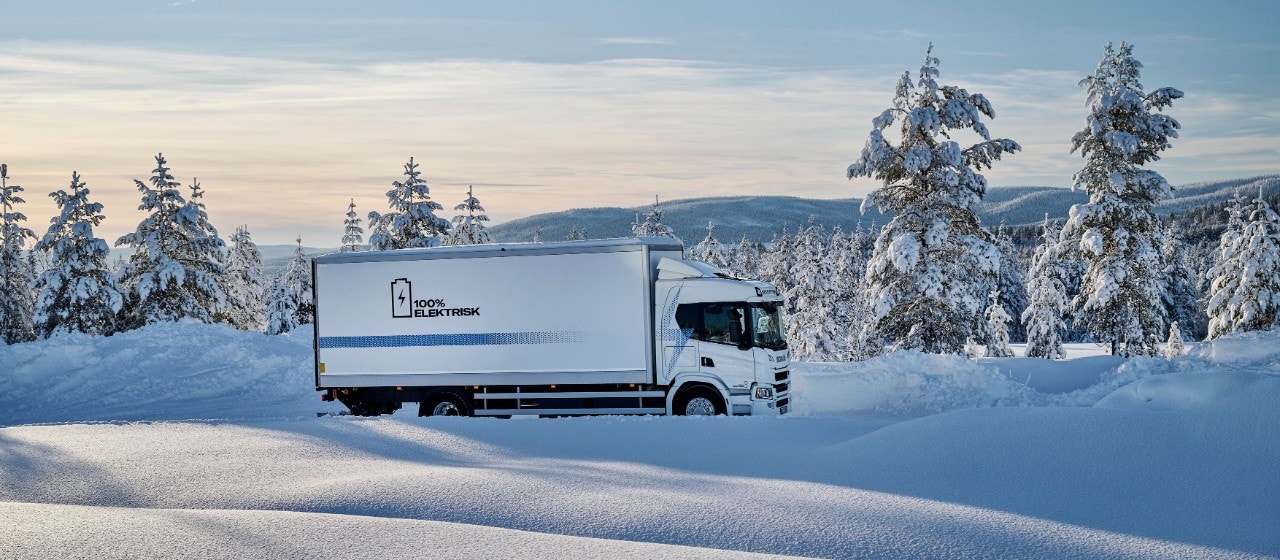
(686, 381)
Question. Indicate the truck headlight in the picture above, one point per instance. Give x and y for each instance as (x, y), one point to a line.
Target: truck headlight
(765, 393)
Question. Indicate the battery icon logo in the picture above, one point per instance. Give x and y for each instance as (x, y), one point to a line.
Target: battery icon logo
(401, 298)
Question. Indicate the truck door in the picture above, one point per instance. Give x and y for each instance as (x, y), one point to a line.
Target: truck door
(725, 351)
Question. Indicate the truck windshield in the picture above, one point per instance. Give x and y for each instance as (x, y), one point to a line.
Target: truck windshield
(766, 326)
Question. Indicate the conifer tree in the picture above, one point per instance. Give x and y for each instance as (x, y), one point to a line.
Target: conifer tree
(412, 221)
(204, 251)
(998, 327)
(1224, 275)
(174, 272)
(709, 250)
(297, 278)
(537, 235)
(78, 292)
(16, 271)
(1246, 288)
(1174, 346)
(1118, 231)
(812, 333)
(1180, 293)
(246, 286)
(1048, 300)
(282, 309)
(933, 263)
(1010, 283)
(468, 229)
(352, 233)
(652, 225)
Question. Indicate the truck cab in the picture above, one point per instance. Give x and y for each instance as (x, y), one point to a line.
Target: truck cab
(721, 334)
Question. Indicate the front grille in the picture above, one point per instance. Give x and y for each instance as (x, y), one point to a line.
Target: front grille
(781, 375)
(783, 402)
(780, 388)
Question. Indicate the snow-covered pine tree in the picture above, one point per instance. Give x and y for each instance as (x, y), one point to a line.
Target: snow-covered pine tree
(297, 278)
(16, 273)
(1246, 288)
(709, 250)
(1042, 319)
(282, 309)
(933, 263)
(998, 325)
(1180, 293)
(1118, 231)
(468, 229)
(172, 273)
(537, 235)
(1224, 275)
(577, 234)
(652, 225)
(812, 332)
(352, 233)
(1010, 283)
(78, 292)
(776, 266)
(204, 251)
(246, 286)
(412, 221)
(1173, 347)
(744, 260)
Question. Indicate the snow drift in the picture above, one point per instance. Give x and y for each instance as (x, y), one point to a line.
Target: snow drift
(204, 441)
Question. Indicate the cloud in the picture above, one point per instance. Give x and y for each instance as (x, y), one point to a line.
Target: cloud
(636, 41)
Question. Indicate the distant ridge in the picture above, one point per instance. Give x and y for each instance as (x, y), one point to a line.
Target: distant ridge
(760, 218)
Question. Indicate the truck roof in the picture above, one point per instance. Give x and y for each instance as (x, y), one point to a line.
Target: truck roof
(470, 251)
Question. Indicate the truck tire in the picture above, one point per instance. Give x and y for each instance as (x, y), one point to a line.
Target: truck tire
(699, 400)
(444, 403)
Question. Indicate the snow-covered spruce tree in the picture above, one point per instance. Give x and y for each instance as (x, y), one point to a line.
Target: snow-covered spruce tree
(744, 260)
(812, 332)
(412, 221)
(709, 250)
(1180, 293)
(577, 234)
(998, 325)
(1246, 288)
(16, 272)
(246, 286)
(1118, 231)
(297, 278)
(1010, 283)
(78, 292)
(1173, 347)
(205, 251)
(652, 225)
(776, 265)
(1042, 319)
(933, 263)
(468, 229)
(352, 233)
(175, 271)
(537, 235)
(1224, 275)
(282, 309)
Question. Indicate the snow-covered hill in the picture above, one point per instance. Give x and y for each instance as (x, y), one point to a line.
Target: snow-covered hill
(201, 441)
(762, 217)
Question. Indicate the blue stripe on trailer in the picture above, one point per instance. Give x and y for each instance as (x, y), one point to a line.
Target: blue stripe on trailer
(461, 339)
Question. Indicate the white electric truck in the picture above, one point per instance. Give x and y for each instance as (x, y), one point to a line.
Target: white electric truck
(617, 326)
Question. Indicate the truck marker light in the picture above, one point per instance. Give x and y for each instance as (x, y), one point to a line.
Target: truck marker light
(321, 367)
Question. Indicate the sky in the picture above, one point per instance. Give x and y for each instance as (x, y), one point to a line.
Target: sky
(285, 111)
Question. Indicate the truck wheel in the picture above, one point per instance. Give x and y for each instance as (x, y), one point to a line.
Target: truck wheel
(698, 401)
(444, 403)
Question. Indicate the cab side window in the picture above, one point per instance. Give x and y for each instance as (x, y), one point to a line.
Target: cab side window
(721, 323)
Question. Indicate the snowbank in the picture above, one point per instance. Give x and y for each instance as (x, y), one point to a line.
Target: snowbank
(905, 456)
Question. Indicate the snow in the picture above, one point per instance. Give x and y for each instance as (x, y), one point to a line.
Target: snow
(184, 439)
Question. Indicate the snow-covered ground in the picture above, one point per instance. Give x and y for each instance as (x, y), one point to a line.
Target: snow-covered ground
(201, 441)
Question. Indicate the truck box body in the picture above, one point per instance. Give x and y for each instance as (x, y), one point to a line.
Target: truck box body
(517, 314)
